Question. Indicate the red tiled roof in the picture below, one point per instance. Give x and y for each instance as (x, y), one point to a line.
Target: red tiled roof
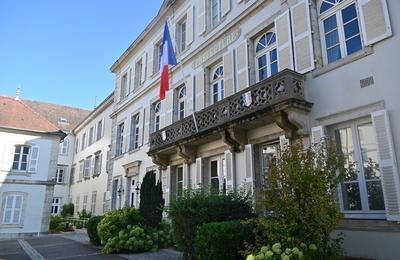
(15, 114)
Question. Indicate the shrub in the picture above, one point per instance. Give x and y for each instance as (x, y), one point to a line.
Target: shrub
(196, 208)
(222, 240)
(84, 214)
(151, 200)
(117, 220)
(278, 251)
(92, 229)
(67, 210)
(55, 222)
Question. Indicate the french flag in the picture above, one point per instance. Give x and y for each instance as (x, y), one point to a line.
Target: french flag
(167, 58)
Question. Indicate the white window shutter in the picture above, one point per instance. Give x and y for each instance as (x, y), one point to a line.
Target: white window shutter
(100, 162)
(103, 125)
(242, 66)
(186, 178)
(144, 62)
(200, 101)
(167, 186)
(114, 142)
(302, 37)
(249, 180)
(201, 16)
(230, 171)
(19, 200)
(92, 166)
(387, 164)
(169, 98)
(189, 26)
(199, 173)
(374, 20)
(228, 73)
(189, 97)
(7, 202)
(150, 63)
(283, 41)
(126, 139)
(147, 120)
(129, 83)
(225, 7)
(317, 134)
(142, 119)
(33, 160)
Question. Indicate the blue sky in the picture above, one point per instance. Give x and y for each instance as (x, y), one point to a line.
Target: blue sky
(61, 51)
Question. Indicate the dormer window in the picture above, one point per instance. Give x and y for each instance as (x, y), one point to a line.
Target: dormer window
(63, 120)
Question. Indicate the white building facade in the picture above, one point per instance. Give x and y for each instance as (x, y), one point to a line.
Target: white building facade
(251, 75)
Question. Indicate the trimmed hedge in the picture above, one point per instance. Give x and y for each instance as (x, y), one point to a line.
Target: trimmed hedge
(91, 227)
(196, 208)
(223, 240)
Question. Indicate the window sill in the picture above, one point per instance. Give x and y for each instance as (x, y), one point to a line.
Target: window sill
(344, 61)
(61, 183)
(12, 225)
(134, 150)
(119, 156)
(210, 29)
(368, 225)
(20, 173)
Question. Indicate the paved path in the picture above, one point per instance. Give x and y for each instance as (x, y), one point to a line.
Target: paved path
(11, 249)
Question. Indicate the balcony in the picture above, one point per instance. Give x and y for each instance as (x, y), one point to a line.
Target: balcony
(278, 99)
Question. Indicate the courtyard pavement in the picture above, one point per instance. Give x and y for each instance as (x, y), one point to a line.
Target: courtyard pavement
(74, 245)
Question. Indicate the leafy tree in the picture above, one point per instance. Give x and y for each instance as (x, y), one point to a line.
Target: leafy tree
(67, 210)
(151, 200)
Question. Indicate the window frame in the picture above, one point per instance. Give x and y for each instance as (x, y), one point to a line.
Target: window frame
(181, 103)
(120, 139)
(97, 164)
(56, 205)
(220, 84)
(181, 27)
(58, 173)
(212, 24)
(221, 173)
(266, 51)
(22, 207)
(87, 167)
(138, 73)
(124, 86)
(99, 132)
(63, 149)
(134, 134)
(156, 110)
(157, 52)
(20, 156)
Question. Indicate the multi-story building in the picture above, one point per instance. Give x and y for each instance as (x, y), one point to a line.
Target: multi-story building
(29, 146)
(251, 75)
(65, 118)
(90, 176)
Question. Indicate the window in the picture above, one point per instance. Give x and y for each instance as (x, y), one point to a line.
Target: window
(266, 56)
(63, 120)
(83, 141)
(134, 138)
(84, 203)
(124, 86)
(86, 169)
(156, 116)
(91, 135)
(361, 191)
(12, 208)
(93, 202)
(60, 174)
(179, 181)
(120, 139)
(132, 194)
(340, 29)
(55, 206)
(81, 166)
(21, 158)
(157, 56)
(217, 90)
(181, 34)
(72, 176)
(217, 174)
(180, 113)
(268, 153)
(99, 130)
(138, 73)
(77, 201)
(77, 146)
(215, 12)
(64, 148)
(104, 202)
(97, 164)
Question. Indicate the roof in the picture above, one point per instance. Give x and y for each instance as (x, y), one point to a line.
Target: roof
(64, 117)
(16, 115)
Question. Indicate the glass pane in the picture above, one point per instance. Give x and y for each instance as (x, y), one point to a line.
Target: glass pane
(369, 153)
(351, 29)
(261, 44)
(7, 216)
(344, 142)
(214, 185)
(272, 55)
(274, 68)
(26, 150)
(349, 13)
(375, 195)
(330, 24)
(334, 54)
(332, 39)
(180, 174)
(324, 7)
(351, 196)
(262, 61)
(16, 216)
(214, 169)
(353, 45)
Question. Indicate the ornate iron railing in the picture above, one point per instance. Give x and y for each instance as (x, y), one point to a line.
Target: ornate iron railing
(284, 86)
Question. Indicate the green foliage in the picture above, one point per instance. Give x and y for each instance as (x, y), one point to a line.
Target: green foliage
(55, 222)
(117, 220)
(84, 214)
(138, 239)
(300, 197)
(67, 210)
(222, 240)
(285, 251)
(196, 208)
(151, 200)
(92, 229)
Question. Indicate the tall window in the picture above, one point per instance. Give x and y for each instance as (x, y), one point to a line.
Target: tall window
(266, 56)
(156, 116)
(93, 202)
(77, 201)
(83, 140)
(124, 86)
(63, 147)
(361, 191)
(60, 172)
(86, 169)
(81, 166)
(215, 12)
(91, 135)
(217, 89)
(84, 203)
(138, 73)
(134, 138)
(157, 56)
(99, 130)
(55, 206)
(217, 171)
(181, 34)
(120, 139)
(72, 175)
(181, 103)
(179, 181)
(97, 164)
(12, 208)
(339, 23)
(21, 158)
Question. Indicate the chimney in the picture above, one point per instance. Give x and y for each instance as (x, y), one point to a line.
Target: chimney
(17, 94)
